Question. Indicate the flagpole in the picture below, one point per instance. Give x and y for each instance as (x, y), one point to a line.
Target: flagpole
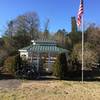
(82, 48)
(80, 22)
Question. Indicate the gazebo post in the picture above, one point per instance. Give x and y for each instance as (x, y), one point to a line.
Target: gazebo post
(49, 60)
(38, 61)
(32, 57)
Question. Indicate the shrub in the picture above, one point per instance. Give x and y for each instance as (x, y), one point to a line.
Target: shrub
(26, 70)
(1, 62)
(60, 66)
(11, 64)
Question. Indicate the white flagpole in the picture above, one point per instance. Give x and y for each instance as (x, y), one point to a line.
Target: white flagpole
(82, 48)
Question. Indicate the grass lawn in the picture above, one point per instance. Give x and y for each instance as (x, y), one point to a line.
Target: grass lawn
(49, 90)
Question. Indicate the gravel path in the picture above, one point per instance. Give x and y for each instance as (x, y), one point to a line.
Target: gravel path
(11, 83)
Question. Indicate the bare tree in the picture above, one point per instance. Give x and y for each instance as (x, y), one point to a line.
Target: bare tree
(26, 24)
(90, 55)
(93, 37)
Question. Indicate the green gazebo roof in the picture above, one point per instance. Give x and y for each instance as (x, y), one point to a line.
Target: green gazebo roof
(44, 47)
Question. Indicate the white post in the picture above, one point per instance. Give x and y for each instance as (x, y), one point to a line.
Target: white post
(37, 61)
(31, 52)
(49, 66)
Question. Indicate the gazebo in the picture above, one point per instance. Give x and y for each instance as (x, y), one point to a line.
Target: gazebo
(44, 51)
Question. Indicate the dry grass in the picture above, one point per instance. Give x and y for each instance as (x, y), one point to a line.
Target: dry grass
(52, 90)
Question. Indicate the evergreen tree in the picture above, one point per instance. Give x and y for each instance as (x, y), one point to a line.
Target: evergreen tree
(46, 31)
(74, 25)
(60, 66)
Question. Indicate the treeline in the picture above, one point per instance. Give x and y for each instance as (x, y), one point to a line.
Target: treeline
(21, 30)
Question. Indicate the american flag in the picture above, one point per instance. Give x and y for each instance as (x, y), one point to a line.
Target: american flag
(80, 13)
